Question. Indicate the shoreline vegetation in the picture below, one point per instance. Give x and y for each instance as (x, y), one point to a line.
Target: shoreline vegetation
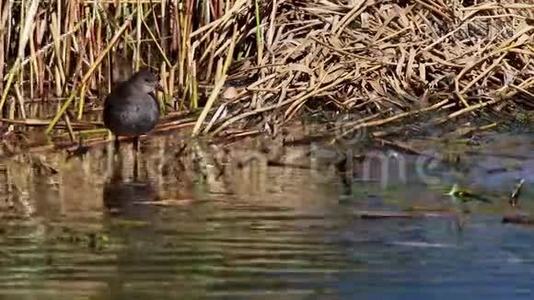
(242, 67)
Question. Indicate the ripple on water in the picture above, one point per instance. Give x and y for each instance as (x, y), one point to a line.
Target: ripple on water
(184, 231)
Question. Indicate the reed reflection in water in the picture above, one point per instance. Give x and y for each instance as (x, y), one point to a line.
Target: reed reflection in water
(200, 223)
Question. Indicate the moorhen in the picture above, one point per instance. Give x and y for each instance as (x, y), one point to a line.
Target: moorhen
(131, 109)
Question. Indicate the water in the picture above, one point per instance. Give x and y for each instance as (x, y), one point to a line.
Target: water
(187, 229)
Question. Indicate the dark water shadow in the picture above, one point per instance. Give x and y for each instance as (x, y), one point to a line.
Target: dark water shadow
(126, 196)
(128, 199)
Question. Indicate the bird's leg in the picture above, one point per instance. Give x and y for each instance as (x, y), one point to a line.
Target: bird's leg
(136, 144)
(116, 174)
(136, 167)
(136, 158)
(117, 144)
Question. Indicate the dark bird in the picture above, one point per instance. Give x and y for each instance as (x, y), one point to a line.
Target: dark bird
(131, 109)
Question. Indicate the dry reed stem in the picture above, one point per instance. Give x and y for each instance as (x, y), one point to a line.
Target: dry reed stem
(388, 59)
(378, 60)
(88, 75)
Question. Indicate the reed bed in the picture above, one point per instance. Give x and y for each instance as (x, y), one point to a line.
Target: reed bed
(381, 62)
(255, 66)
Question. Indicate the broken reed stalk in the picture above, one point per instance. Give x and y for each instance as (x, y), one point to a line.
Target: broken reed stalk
(221, 79)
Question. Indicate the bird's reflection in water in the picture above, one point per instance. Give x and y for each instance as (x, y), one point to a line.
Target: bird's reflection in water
(132, 220)
(129, 197)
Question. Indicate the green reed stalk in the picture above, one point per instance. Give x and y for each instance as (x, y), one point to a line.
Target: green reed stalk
(23, 40)
(88, 74)
(259, 35)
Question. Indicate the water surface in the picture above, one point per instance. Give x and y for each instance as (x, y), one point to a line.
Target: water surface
(209, 223)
